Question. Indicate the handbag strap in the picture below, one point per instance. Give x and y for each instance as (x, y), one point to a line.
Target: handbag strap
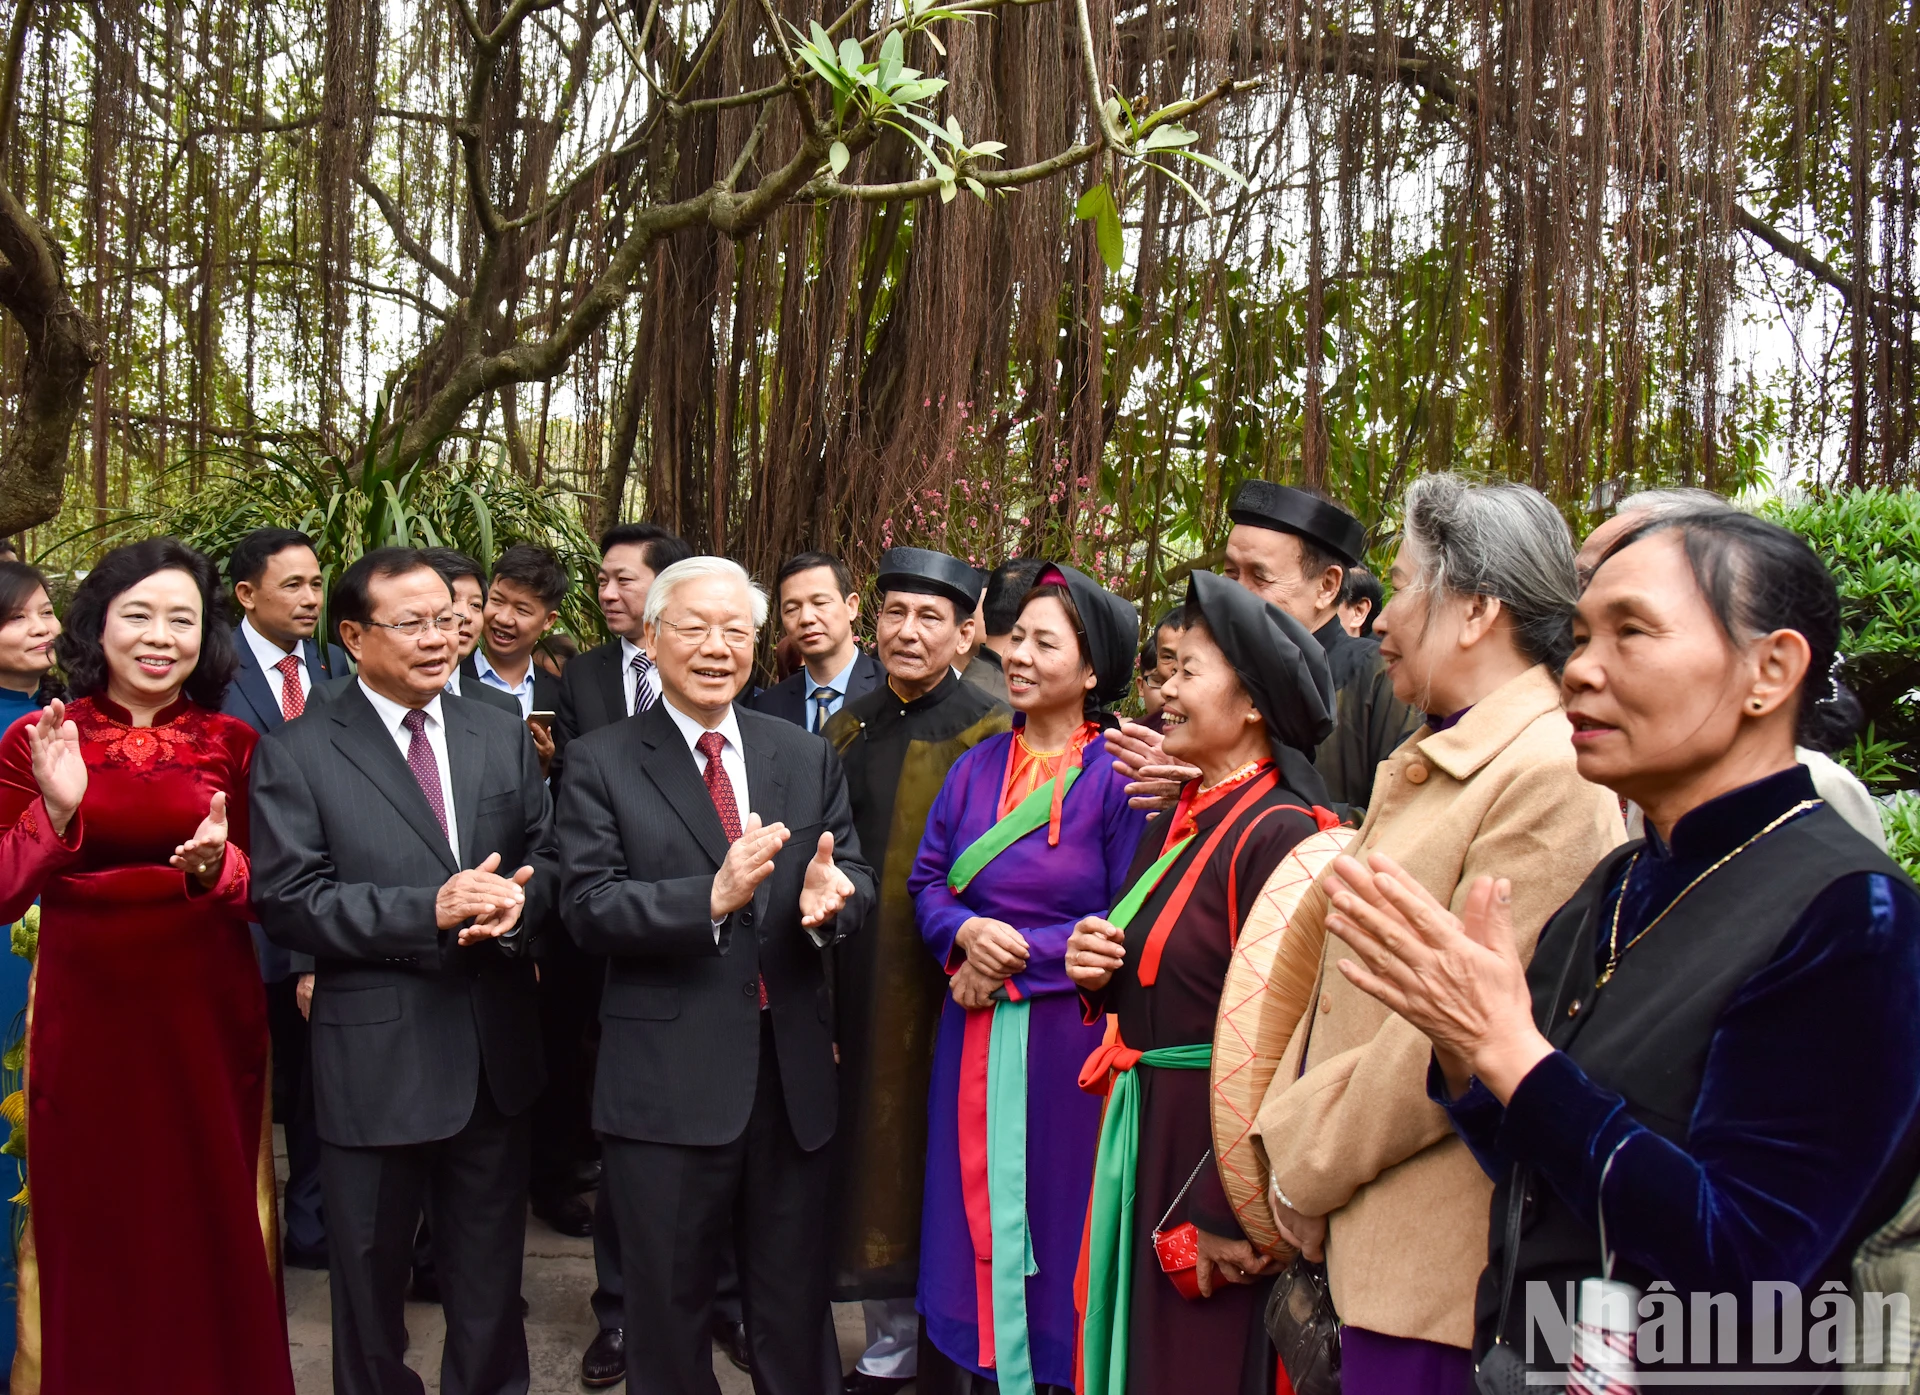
(1510, 1258)
(1183, 1191)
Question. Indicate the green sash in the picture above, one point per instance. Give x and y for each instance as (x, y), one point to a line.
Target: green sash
(1110, 1221)
(1121, 916)
(1013, 1257)
(1029, 814)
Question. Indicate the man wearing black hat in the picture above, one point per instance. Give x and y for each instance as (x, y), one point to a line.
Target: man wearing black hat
(897, 744)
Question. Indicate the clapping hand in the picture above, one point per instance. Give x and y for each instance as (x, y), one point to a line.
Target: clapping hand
(58, 765)
(482, 896)
(749, 862)
(826, 888)
(1154, 782)
(1095, 950)
(201, 856)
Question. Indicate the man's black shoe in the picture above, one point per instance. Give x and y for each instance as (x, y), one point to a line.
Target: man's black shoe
(585, 1177)
(732, 1337)
(299, 1258)
(570, 1215)
(858, 1382)
(605, 1362)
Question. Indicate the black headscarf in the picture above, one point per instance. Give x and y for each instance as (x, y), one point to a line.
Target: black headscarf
(1112, 628)
(1283, 669)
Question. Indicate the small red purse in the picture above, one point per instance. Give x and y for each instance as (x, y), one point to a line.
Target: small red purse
(1179, 1249)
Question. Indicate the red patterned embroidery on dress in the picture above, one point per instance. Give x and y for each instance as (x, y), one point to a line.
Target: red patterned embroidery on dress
(139, 748)
(28, 824)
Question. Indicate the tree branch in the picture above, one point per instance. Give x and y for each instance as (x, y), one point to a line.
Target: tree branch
(409, 244)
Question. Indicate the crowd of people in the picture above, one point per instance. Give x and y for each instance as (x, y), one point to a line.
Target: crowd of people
(901, 978)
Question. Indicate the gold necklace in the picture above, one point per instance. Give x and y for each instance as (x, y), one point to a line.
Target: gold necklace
(1249, 768)
(1615, 949)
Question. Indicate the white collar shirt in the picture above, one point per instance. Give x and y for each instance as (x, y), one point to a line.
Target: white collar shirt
(392, 715)
(628, 651)
(269, 655)
(733, 758)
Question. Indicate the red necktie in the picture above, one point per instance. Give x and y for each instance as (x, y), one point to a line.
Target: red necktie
(426, 770)
(720, 791)
(292, 701)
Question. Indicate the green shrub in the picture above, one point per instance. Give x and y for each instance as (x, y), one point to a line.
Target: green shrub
(1901, 819)
(1870, 538)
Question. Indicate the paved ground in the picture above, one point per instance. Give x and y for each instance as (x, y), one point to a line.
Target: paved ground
(559, 1276)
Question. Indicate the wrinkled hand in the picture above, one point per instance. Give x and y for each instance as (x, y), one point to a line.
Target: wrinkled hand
(542, 744)
(1307, 1234)
(58, 766)
(497, 923)
(1153, 781)
(826, 887)
(749, 862)
(476, 894)
(1095, 950)
(201, 856)
(303, 995)
(1459, 980)
(972, 989)
(1228, 1261)
(992, 946)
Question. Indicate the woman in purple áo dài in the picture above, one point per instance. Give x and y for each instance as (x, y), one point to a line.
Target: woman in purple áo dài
(1031, 832)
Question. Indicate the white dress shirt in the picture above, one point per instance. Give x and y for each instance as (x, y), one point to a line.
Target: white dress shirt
(733, 756)
(627, 651)
(267, 654)
(489, 675)
(392, 714)
(453, 679)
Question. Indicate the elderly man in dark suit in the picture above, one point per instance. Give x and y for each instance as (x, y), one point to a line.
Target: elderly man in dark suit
(278, 586)
(709, 851)
(382, 827)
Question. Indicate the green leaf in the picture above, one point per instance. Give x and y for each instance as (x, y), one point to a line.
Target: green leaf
(1167, 137)
(852, 57)
(1192, 192)
(934, 39)
(893, 57)
(953, 131)
(989, 147)
(822, 40)
(837, 157)
(1218, 166)
(979, 189)
(947, 191)
(1097, 204)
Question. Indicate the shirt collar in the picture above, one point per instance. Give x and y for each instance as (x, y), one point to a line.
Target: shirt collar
(1723, 823)
(482, 667)
(627, 650)
(692, 731)
(1493, 723)
(264, 650)
(839, 680)
(392, 713)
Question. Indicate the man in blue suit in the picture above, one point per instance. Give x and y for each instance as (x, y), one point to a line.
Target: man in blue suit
(279, 586)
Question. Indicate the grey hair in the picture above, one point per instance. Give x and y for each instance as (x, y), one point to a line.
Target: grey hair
(693, 569)
(1662, 504)
(1504, 541)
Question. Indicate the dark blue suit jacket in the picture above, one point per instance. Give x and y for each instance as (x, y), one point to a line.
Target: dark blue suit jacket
(254, 697)
(787, 699)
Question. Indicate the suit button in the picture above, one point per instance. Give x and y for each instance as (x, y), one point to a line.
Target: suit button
(1416, 773)
(746, 917)
(1326, 1002)
(750, 988)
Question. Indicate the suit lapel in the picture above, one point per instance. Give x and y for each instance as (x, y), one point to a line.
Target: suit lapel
(252, 684)
(766, 782)
(864, 678)
(467, 754)
(675, 772)
(316, 662)
(363, 739)
(612, 680)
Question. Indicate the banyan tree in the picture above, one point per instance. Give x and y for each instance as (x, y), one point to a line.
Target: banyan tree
(1007, 273)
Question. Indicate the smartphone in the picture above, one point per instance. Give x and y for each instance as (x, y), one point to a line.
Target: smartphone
(545, 719)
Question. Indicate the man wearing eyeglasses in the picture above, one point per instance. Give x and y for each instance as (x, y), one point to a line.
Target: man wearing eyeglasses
(403, 837)
(708, 850)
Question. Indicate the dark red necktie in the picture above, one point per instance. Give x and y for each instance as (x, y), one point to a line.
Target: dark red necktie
(426, 770)
(720, 791)
(292, 701)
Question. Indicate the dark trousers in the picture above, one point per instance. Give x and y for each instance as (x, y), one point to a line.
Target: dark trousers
(569, 997)
(474, 1186)
(306, 1225)
(610, 1289)
(679, 1209)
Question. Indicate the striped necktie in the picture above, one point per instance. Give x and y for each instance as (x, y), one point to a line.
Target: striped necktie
(823, 697)
(643, 694)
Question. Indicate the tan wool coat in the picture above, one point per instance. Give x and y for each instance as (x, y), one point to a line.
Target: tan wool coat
(1355, 1137)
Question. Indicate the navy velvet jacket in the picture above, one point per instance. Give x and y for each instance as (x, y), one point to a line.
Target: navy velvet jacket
(1810, 1106)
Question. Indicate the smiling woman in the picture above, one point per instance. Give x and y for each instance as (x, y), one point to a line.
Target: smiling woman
(126, 811)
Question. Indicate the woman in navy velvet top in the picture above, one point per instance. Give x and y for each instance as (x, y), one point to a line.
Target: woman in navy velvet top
(1718, 1039)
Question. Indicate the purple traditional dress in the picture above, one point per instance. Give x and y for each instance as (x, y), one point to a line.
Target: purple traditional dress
(999, 1242)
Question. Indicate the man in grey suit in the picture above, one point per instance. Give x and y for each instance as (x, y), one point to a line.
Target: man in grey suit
(381, 827)
(709, 851)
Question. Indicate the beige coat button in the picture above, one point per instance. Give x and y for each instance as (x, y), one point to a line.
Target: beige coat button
(1326, 1002)
(1416, 773)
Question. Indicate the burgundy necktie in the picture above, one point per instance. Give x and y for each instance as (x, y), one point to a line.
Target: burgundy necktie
(720, 791)
(292, 701)
(426, 770)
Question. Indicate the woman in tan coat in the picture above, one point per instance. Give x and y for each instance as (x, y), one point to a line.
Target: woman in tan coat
(1365, 1168)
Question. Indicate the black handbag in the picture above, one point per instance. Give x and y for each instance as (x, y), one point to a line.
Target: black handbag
(1502, 1371)
(1304, 1328)
(1300, 1319)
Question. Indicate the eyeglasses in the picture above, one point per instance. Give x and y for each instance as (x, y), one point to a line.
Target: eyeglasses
(413, 629)
(733, 636)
